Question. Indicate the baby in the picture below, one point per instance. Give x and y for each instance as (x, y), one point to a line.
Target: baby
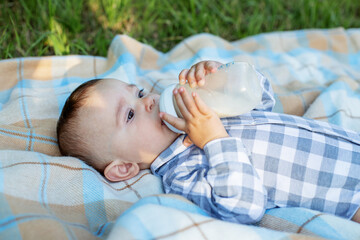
(234, 168)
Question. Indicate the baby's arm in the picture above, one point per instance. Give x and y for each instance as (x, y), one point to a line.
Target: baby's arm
(225, 183)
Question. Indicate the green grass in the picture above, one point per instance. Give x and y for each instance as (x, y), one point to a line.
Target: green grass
(61, 27)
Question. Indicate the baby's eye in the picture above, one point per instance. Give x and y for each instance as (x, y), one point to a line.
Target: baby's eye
(130, 115)
(141, 93)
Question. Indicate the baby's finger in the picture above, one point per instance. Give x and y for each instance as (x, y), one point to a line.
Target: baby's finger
(189, 103)
(187, 141)
(180, 103)
(200, 74)
(211, 66)
(200, 104)
(191, 77)
(182, 76)
(178, 123)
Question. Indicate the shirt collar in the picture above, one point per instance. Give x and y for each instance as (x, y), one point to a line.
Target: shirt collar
(174, 149)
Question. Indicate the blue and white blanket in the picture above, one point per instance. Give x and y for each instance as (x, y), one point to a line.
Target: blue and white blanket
(315, 73)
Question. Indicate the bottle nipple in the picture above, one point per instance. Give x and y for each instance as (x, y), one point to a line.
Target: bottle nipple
(166, 104)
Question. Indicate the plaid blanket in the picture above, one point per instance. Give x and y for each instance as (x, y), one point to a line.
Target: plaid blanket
(315, 73)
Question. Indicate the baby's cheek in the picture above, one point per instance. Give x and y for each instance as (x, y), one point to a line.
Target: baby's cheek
(147, 132)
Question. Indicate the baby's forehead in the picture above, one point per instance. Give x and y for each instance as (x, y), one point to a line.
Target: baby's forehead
(105, 95)
(112, 84)
(108, 94)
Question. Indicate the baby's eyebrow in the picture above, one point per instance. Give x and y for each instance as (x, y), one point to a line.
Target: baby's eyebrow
(119, 108)
(117, 112)
(132, 86)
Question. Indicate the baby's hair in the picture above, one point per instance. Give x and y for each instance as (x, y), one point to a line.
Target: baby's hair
(70, 141)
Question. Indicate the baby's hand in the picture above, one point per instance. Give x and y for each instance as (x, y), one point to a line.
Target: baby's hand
(199, 121)
(196, 74)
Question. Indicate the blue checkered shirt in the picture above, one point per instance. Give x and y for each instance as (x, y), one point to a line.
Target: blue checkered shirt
(270, 160)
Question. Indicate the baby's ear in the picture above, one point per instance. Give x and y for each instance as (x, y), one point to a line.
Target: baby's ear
(118, 171)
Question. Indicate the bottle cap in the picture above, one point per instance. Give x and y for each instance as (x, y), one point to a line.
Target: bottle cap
(166, 105)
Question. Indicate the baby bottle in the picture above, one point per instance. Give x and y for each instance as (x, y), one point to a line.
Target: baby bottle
(232, 90)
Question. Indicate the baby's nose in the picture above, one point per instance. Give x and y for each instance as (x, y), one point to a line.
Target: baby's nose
(149, 103)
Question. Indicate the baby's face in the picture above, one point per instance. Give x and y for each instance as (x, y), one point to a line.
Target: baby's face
(123, 123)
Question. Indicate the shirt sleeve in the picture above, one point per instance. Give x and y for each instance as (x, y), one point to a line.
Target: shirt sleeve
(228, 187)
(267, 100)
